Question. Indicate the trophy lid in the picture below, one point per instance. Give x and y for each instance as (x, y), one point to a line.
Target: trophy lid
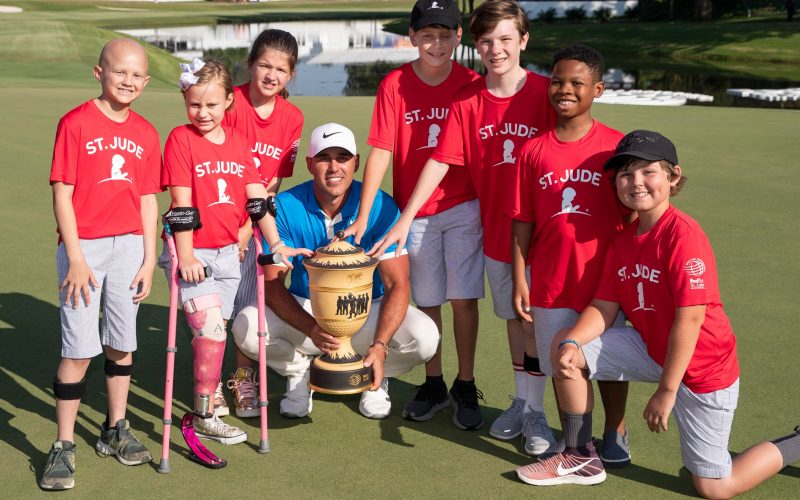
(339, 254)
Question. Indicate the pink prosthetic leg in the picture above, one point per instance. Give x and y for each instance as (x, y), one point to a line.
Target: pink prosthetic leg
(204, 315)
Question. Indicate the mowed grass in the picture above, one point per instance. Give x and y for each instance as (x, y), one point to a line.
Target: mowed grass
(742, 188)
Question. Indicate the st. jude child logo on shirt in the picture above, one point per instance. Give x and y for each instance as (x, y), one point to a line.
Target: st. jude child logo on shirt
(504, 151)
(695, 267)
(121, 144)
(644, 274)
(220, 167)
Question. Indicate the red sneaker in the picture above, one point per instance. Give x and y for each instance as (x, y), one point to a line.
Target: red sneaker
(572, 466)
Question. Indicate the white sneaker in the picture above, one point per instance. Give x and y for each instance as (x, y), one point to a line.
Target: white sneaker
(296, 402)
(216, 429)
(536, 433)
(376, 404)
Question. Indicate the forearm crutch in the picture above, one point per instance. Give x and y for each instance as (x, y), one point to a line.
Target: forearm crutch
(198, 452)
(262, 260)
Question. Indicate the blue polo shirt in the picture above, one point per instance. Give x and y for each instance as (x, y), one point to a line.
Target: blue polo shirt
(302, 224)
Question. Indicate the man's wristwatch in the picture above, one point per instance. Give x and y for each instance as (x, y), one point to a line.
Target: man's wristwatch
(383, 345)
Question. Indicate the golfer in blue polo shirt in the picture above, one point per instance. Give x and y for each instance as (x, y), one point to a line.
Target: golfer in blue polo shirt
(396, 336)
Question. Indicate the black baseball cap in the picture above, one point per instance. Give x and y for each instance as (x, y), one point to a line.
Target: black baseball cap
(643, 144)
(430, 12)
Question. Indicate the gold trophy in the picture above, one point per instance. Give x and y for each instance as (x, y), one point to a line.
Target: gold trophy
(340, 282)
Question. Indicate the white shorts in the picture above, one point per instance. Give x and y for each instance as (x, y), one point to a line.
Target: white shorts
(704, 420)
(224, 279)
(289, 351)
(114, 260)
(502, 287)
(547, 322)
(446, 255)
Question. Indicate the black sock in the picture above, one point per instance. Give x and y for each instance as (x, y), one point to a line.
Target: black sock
(577, 429)
(531, 365)
(789, 446)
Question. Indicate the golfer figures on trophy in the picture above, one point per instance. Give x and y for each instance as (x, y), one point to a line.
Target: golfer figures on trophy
(340, 282)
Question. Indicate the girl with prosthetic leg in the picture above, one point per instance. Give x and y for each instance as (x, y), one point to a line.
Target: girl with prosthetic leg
(212, 180)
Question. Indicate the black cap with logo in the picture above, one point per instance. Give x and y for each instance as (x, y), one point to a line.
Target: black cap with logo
(430, 12)
(643, 144)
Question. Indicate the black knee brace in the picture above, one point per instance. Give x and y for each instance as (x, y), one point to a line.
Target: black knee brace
(531, 364)
(112, 369)
(74, 390)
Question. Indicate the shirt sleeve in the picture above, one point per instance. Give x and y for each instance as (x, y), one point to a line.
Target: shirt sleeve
(152, 166)
(382, 127)
(520, 202)
(692, 274)
(450, 149)
(177, 169)
(286, 167)
(65, 154)
(607, 287)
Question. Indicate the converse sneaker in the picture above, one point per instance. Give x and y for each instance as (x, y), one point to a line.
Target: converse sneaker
(509, 424)
(60, 468)
(296, 402)
(120, 442)
(376, 404)
(464, 399)
(573, 466)
(220, 405)
(536, 433)
(217, 430)
(615, 452)
(244, 385)
(431, 397)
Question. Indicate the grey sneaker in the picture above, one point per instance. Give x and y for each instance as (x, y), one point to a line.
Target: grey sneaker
(536, 433)
(58, 473)
(509, 424)
(120, 442)
(217, 430)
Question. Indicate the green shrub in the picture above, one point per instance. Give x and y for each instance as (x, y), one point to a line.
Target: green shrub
(575, 14)
(602, 14)
(547, 16)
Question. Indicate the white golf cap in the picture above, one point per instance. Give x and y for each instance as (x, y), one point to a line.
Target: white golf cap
(331, 135)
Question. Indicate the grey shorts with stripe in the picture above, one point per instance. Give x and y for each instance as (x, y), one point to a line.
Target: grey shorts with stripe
(547, 322)
(502, 286)
(445, 254)
(224, 279)
(246, 294)
(114, 260)
(704, 420)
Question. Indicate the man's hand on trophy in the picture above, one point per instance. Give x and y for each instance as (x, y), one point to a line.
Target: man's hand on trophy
(375, 358)
(324, 341)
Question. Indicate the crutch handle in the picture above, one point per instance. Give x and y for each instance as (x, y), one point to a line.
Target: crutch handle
(268, 259)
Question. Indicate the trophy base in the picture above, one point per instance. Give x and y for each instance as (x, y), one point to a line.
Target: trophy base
(330, 376)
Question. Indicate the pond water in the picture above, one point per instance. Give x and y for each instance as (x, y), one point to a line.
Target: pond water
(350, 57)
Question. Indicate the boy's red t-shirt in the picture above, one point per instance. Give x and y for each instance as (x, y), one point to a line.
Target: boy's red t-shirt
(561, 187)
(485, 134)
(111, 166)
(217, 174)
(408, 119)
(671, 266)
(273, 141)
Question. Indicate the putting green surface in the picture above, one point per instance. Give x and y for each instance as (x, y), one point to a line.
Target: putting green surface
(742, 188)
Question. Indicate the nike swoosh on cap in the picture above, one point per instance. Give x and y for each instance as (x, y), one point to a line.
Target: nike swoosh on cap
(561, 471)
(325, 136)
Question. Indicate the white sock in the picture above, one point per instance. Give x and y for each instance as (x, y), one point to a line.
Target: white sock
(534, 394)
(520, 381)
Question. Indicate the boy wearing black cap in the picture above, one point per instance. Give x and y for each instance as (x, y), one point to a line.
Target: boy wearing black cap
(445, 244)
(661, 272)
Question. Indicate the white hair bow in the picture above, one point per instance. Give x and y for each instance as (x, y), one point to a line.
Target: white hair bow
(187, 73)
